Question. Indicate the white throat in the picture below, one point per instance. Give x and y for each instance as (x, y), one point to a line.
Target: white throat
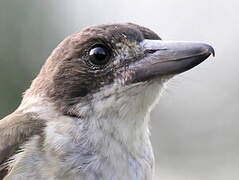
(119, 130)
(111, 142)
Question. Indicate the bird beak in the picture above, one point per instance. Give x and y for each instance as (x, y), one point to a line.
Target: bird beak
(168, 58)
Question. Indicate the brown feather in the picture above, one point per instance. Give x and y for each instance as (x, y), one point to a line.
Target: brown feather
(15, 130)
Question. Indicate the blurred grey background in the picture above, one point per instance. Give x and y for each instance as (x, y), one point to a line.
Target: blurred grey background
(195, 126)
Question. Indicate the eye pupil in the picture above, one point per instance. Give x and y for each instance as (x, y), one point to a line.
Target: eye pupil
(99, 55)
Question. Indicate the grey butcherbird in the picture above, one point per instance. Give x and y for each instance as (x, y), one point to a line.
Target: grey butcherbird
(85, 115)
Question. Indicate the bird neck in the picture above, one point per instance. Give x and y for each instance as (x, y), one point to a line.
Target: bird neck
(107, 145)
(110, 138)
(123, 145)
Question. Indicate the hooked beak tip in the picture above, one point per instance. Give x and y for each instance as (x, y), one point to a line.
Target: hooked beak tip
(211, 50)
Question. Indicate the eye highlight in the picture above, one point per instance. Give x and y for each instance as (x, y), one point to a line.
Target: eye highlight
(99, 55)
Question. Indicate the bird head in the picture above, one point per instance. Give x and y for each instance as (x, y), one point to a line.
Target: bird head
(113, 67)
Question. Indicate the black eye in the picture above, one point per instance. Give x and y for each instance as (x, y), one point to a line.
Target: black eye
(99, 55)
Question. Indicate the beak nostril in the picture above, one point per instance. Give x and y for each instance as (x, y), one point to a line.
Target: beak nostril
(150, 51)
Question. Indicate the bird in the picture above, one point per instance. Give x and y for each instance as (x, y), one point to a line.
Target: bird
(86, 115)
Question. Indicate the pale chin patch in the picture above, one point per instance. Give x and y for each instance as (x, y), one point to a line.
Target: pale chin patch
(153, 91)
(135, 98)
